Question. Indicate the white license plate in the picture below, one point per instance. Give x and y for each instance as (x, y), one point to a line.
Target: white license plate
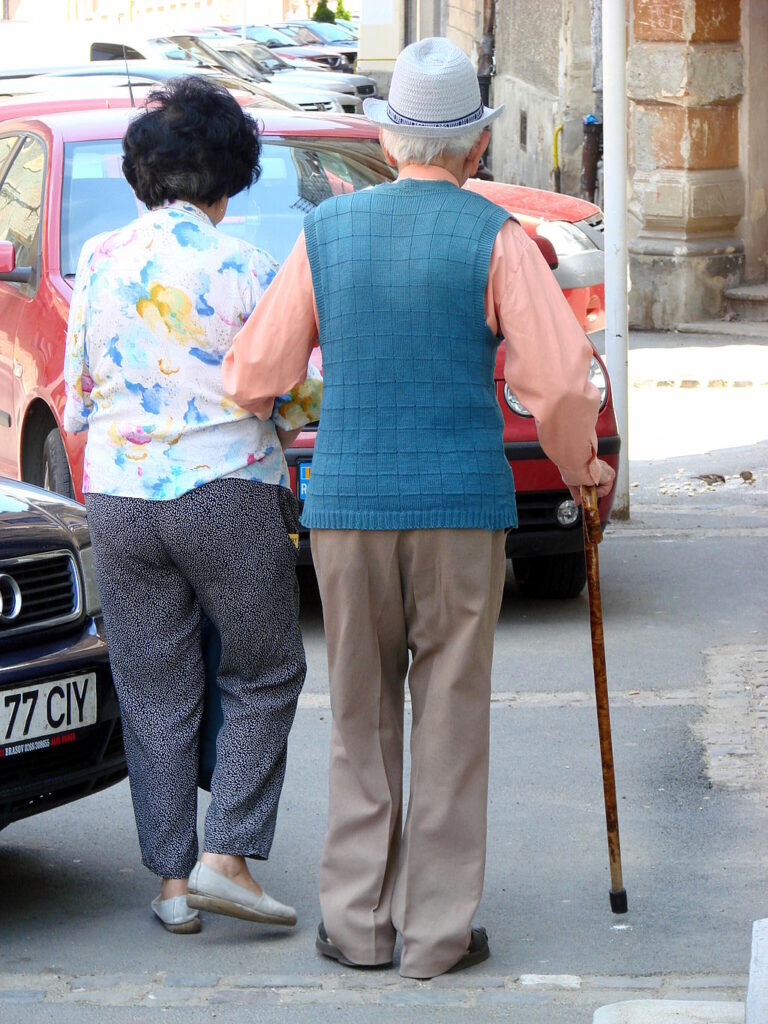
(63, 705)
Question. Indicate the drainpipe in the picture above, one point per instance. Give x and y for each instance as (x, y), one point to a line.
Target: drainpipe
(615, 192)
(556, 158)
(486, 56)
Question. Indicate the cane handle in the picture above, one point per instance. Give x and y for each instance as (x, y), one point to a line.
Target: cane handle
(591, 514)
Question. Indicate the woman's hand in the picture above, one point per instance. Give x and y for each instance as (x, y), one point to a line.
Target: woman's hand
(287, 437)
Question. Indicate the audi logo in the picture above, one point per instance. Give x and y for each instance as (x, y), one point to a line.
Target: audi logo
(10, 598)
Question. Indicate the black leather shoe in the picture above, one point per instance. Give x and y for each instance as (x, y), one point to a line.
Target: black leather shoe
(325, 947)
(478, 951)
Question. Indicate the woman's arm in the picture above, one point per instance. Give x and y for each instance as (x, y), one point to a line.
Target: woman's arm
(77, 376)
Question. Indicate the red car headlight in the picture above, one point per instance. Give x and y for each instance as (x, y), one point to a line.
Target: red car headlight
(596, 377)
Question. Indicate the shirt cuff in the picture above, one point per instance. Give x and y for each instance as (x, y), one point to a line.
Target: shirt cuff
(588, 475)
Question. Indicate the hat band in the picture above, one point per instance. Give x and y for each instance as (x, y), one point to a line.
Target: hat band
(457, 122)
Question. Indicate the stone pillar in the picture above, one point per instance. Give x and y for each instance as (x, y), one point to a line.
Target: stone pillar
(685, 81)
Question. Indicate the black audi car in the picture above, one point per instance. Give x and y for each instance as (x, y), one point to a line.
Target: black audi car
(60, 736)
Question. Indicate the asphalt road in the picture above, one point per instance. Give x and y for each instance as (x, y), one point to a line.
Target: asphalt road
(685, 590)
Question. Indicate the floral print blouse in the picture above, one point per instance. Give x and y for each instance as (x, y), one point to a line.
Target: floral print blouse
(156, 306)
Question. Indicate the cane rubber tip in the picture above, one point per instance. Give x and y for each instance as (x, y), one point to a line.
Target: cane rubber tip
(619, 901)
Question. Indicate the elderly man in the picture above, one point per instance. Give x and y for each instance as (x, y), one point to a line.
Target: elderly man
(409, 287)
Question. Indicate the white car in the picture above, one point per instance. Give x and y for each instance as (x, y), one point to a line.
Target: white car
(286, 81)
(201, 55)
(275, 66)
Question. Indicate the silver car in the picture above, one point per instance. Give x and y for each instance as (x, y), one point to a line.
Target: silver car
(281, 70)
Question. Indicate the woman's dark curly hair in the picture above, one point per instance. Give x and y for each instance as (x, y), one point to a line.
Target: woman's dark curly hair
(194, 142)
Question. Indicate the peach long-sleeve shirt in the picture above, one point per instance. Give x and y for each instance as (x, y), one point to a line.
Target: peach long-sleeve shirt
(547, 355)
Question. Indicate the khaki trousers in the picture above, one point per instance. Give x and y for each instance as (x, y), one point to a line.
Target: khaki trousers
(435, 594)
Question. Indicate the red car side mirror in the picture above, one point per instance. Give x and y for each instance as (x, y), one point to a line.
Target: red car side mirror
(7, 258)
(8, 269)
(547, 250)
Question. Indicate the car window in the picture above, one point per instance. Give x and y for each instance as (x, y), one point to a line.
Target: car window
(332, 33)
(295, 177)
(7, 145)
(301, 35)
(114, 51)
(267, 60)
(21, 200)
(268, 36)
(95, 197)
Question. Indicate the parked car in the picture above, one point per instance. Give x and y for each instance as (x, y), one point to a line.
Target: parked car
(324, 56)
(282, 73)
(60, 183)
(236, 53)
(117, 98)
(307, 33)
(60, 735)
(95, 78)
(190, 49)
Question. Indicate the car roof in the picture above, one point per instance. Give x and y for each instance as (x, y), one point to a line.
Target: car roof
(96, 123)
(534, 202)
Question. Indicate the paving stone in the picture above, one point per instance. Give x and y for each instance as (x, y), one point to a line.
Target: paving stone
(457, 981)
(421, 997)
(328, 997)
(22, 995)
(244, 996)
(720, 981)
(494, 997)
(274, 981)
(624, 982)
(191, 981)
(104, 982)
(570, 981)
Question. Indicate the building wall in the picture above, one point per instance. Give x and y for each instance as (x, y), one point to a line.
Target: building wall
(685, 83)
(544, 79)
(464, 25)
(753, 228)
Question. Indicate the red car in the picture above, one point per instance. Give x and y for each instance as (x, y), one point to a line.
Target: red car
(61, 183)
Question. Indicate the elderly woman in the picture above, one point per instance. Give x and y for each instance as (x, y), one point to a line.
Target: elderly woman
(188, 504)
(410, 287)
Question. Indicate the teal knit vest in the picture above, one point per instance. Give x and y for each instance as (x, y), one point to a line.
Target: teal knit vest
(410, 434)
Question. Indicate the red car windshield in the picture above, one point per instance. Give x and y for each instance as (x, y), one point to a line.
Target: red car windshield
(295, 177)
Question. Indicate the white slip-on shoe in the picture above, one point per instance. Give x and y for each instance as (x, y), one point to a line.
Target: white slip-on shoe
(176, 916)
(210, 890)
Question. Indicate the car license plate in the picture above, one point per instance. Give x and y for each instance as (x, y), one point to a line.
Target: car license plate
(62, 705)
(305, 469)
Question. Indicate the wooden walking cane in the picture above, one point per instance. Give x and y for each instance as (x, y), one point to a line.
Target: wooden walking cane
(593, 534)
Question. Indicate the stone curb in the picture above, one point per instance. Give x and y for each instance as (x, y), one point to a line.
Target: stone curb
(670, 1011)
(692, 383)
(176, 990)
(757, 993)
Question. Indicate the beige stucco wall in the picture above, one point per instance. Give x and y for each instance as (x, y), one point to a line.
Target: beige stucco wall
(464, 24)
(543, 69)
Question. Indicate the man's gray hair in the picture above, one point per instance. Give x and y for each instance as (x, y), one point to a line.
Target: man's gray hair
(415, 149)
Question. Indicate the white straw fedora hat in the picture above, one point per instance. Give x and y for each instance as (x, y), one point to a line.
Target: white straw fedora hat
(434, 93)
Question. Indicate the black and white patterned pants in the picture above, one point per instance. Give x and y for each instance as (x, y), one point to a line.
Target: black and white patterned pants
(223, 549)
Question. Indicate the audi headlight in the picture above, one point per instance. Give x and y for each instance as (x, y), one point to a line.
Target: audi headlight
(90, 588)
(567, 239)
(514, 402)
(596, 377)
